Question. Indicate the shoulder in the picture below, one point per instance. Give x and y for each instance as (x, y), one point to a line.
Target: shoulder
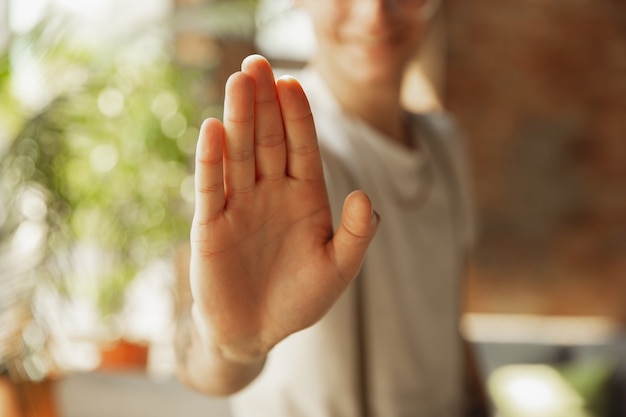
(446, 143)
(439, 124)
(441, 131)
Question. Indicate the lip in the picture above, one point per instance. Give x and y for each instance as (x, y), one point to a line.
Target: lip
(381, 38)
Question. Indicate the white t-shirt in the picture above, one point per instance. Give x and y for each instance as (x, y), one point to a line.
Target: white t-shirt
(390, 346)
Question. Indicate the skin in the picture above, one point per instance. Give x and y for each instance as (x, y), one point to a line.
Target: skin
(265, 261)
(364, 48)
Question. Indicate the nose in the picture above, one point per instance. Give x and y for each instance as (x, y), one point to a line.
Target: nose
(386, 14)
(388, 3)
(376, 9)
(380, 8)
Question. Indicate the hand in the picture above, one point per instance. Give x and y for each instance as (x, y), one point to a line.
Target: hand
(265, 262)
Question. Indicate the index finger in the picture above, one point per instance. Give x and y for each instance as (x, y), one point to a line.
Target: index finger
(303, 155)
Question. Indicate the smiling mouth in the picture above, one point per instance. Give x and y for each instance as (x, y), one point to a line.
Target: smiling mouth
(375, 43)
(389, 38)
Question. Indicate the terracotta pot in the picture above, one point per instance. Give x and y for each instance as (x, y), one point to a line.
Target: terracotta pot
(123, 354)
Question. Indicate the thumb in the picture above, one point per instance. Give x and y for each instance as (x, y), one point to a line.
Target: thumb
(356, 230)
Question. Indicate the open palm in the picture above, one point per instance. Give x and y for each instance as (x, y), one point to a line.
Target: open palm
(265, 261)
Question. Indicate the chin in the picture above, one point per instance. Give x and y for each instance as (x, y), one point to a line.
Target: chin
(376, 72)
(377, 65)
(376, 78)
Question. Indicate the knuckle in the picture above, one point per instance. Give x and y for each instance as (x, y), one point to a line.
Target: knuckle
(304, 150)
(270, 140)
(204, 160)
(299, 117)
(243, 119)
(241, 190)
(270, 99)
(241, 155)
(210, 188)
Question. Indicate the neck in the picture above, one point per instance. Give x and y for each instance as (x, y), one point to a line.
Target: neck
(378, 105)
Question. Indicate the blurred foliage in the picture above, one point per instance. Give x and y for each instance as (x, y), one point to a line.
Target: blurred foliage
(591, 378)
(108, 142)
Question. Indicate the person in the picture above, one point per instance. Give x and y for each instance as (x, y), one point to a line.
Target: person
(307, 301)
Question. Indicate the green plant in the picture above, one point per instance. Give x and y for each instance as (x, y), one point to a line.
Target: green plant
(109, 146)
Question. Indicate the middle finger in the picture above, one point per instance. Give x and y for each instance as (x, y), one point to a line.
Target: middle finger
(239, 164)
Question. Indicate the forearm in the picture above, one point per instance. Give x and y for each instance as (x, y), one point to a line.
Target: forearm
(203, 367)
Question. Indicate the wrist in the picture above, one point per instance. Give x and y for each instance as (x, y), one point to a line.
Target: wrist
(241, 353)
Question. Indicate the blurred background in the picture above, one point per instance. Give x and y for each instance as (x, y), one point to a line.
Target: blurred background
(100, 104)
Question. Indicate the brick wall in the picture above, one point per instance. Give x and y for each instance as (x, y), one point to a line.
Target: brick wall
(539, 88)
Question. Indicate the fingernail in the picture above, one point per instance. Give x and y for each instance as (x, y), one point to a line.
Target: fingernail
(375, 217)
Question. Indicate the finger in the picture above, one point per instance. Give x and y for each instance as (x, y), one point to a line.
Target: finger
(209, 178)
(303, 156)
(355, 232)
(269, 139)
(239, 166)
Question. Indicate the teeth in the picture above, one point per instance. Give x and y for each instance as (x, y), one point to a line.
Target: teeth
(375, 40)
(378, 39)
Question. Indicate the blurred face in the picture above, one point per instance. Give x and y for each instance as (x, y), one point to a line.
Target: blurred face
(367, 41)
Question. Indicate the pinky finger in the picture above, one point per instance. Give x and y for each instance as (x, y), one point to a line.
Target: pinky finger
(209, 175)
